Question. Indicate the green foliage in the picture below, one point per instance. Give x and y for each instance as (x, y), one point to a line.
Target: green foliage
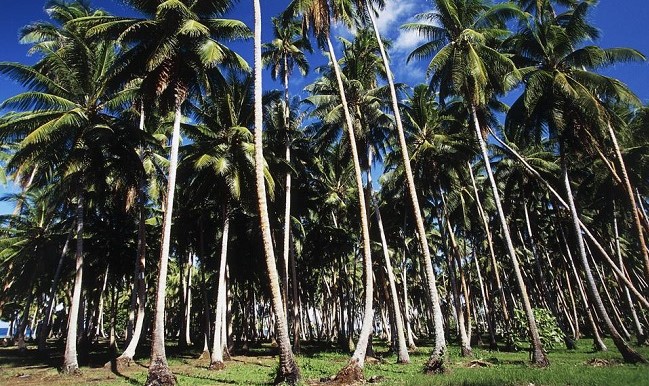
(549, 331)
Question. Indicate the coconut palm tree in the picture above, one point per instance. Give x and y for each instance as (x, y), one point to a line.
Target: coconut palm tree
(282, 55)
(465, 63)
(169, 50)
(287, 371)
(317, 16)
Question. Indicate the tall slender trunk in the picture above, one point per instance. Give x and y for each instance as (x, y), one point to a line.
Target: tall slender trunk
(354, 369)
(159, 372)
(24, 320)
(627, 352)
(538, 356)
(465, 343)
(402, 349)
(635, 211)
(216, 359)
(70, 364)
(99, 327)
(287, 189)
(296, 301)
(436, 361)
(287, 371)
(47, 317)
(139, 286)
(640, 335)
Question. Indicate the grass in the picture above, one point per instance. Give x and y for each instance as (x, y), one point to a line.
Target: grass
(257, 367)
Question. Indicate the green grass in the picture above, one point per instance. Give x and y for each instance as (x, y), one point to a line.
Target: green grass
(257, 367)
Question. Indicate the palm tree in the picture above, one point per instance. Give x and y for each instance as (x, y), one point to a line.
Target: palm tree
(466, 64)
(437, 356)
(557, 78)
(170, 50)
(317, 16)
(284, 53)
(287, 371)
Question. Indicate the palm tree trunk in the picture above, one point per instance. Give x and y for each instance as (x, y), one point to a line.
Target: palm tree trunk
(538, 356)
(287, 371)
(465, 344)
(402, 348)
(627, 296)
(354, 369)
(287, 190)
(634, 206)
(216, 359)
(140, 286)
(583, 227)
(159, 372)
(492, 254)
(47, 318)
(70, 364)
(296, 301)
(436, 361)
(627, 352)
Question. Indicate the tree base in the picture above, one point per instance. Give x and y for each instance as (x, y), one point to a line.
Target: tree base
(217, 366)
(160, 375)
(120, 363)
(350, 374)
(435, 365)
(288, 374)
(70, 370)
(466, 351)
(539, 359)
(632, 356)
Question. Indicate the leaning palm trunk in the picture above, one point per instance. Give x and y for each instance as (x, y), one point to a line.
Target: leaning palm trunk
(627, 295)
(402, 348)
(70, 364)
(626, 281)
(287, 371)
(436, 362)
(354, 369)
(634, 206)
(159, 372)
(629, 355)
(538, 356)
(216, 359)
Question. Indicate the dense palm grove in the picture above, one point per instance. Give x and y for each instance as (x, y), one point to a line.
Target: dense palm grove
(166, 196)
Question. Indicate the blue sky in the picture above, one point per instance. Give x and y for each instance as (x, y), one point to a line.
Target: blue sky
(622, 22)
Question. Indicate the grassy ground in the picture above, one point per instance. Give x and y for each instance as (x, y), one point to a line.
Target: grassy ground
(578, 367)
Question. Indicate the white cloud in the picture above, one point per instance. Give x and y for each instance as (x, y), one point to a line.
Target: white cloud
(395, 13)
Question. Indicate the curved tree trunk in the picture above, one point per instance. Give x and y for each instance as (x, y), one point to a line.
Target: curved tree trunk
(159, 372)
(627, 352)
(538, 356)
(436, 361)
(216, 359)
(287, 371)
(354, 369)
(70, 364)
